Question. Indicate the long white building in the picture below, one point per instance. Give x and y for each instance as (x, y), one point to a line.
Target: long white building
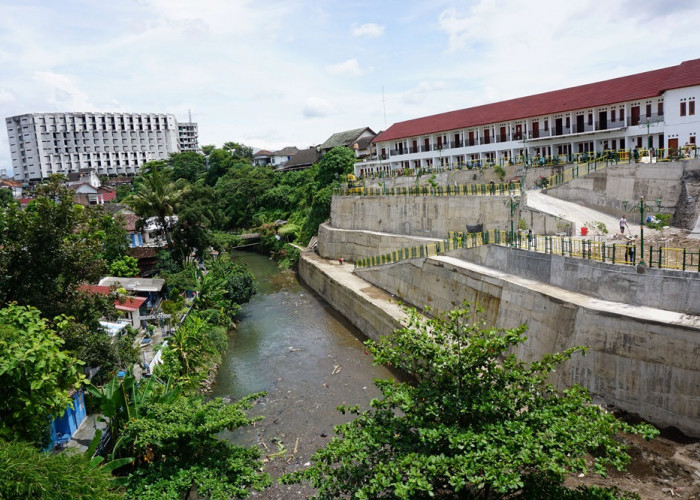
(113, 144)
(655, 109)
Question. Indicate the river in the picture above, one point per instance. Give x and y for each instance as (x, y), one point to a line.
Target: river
(308, 359)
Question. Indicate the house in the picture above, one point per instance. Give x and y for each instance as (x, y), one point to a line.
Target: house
(280, 157)
(262, 158)
(84, 175)
(655, 109)
(64, 427)
(302, 159)
(13, 186)
(149, 288)
(86, 194)
(134, 308)
(358, 139)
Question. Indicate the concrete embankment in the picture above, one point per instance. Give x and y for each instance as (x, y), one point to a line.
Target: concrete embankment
(373, 311)
(641, 359)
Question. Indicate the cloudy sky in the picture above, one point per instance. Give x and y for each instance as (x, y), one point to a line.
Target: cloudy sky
(273, 73)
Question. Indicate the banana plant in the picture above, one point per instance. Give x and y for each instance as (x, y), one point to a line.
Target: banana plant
(123, 400)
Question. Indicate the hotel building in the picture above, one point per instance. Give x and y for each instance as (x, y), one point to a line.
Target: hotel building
(114, 144)
(655, 109)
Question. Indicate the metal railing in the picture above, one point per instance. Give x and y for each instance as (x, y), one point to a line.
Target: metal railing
(454, 242)
(500, 189)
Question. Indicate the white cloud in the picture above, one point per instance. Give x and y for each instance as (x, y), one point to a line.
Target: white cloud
(346, 68)
(418, 93)
(62, 93)
(315, 107)
(6, 96)
(369, 30)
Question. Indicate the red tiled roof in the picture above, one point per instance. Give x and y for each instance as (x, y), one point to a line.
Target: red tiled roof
(129, 303)
(95, 289)
(626, 88)
(123, 304)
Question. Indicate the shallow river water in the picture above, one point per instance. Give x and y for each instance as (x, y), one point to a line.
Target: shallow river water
(307, 358)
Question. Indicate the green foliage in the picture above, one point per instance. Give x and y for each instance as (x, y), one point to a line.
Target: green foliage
(48, 249)
(188, 165)
(227, 285)
(125, 267)
(35, 373)
(224, 241)
(477, 421)
(320, 211)
(156, 195)
(192, 349)
(522, 224)
(176, 448)
(123, 191)
(6, 198)
(125, 400)
(337, 162)
(241, 193)
(500, 172)
(662, 220)
(26, 472)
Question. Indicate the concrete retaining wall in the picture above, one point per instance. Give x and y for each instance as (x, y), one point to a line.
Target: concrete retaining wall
(607, 189)
(640, 359)
(660, 288)
(423, 216)
(356, 244)
(371, 310)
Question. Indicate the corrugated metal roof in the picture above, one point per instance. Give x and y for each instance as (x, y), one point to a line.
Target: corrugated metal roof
(626, 88)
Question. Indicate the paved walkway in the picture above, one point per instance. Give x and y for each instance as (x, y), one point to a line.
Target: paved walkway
(579, 215)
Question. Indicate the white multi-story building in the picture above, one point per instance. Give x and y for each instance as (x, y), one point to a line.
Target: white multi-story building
(188, 136)
(655, 109)
(113, 144)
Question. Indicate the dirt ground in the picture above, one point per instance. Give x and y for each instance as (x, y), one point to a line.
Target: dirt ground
(665, 467)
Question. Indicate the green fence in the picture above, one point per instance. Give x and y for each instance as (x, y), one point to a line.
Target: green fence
(680, 259)
(457, 190)
(453, 242)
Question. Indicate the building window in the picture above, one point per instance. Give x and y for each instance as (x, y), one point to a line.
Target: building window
(546, 124)
(612, 115)
(622, 114)
(682, 109)
(660, 109)
(692, 139)
(691, 107)
(648, 110)
(590, 119)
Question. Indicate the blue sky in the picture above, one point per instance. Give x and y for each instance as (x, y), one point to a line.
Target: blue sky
(273, 73)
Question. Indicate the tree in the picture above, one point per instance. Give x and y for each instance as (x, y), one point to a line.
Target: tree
(157, 196)
(176, 448)
(6, 197)
(35, 373)
(188, 165)
(238, 151)
(48, 249)
(338, 161)
(26, 472)
(126, 267)
(476, 423)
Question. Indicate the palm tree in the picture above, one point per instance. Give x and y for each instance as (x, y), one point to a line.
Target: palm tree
(157, 196)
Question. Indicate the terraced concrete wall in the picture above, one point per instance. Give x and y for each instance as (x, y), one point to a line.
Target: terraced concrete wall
(607, 189)
(640, 359)
(422, 216)
(357, 244)
(661, 288)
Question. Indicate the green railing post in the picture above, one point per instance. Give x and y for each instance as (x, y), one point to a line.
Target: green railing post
(684, 259)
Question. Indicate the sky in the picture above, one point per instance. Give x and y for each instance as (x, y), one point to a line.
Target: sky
(276, 73)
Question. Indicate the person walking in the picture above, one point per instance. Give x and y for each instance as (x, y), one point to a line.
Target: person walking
(623, 224)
